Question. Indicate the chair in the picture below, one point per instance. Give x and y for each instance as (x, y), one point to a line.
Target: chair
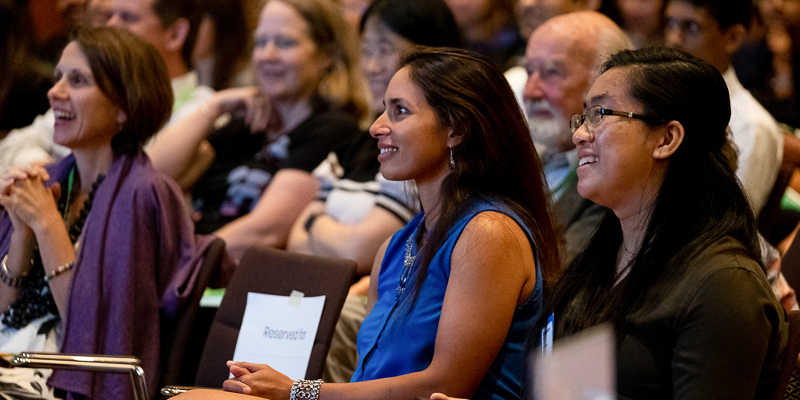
(174, 338)
(789, 364)
(270, 271)
(790, 265)
(769, 217)
(183, 339)
(106, 364)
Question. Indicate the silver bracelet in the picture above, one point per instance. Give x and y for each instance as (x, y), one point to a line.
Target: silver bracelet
(305, 390)
(8, 278)
(58, 271)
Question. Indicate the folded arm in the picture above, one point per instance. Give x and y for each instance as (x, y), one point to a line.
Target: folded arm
(289, 192)
(328, 237)
(175, 148)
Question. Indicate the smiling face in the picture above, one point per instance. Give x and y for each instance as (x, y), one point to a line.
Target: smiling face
(380, 50)
(288, 62)
(413, 144)
(85, 117)
(559, 66)
(617, 155)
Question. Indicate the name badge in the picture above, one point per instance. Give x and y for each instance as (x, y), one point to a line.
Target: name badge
(547, 336)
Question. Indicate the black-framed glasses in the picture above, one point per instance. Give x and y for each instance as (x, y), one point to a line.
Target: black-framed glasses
(595, 114)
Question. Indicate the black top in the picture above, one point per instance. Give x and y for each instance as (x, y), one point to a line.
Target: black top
(713, 332)
(245, 163)
(359, 158)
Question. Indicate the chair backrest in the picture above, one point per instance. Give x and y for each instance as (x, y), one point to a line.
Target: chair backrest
(790, 359)
(270, 271)
(769, 215)
(178, 335)
(790, 264)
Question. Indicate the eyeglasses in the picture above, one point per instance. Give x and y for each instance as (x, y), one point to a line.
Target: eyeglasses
(595, 114)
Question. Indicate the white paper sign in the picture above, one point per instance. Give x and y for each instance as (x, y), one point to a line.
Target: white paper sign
(279, 334)
(580, 367)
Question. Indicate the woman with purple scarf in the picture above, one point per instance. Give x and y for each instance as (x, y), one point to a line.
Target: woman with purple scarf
(96, 250)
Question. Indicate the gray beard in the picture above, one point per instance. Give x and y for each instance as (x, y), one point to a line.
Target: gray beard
(549, 132)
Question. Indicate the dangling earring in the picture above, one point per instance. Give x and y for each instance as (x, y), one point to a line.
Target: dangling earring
(452, 161)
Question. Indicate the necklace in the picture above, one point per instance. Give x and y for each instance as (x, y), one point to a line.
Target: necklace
(408, 263)
(77, 227)
(625, 249)
(35, 299)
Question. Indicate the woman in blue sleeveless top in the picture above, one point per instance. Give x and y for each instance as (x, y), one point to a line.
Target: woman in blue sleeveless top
(457, 289)
(453, 294)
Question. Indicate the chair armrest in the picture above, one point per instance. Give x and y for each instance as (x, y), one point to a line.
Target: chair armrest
(96, 363)
(103, 359)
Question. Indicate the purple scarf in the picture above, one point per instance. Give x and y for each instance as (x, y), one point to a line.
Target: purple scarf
(136, 266)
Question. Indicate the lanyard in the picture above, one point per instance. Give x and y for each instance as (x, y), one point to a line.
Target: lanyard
(70, 180)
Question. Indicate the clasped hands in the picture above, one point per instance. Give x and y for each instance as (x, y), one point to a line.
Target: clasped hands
(28, 202)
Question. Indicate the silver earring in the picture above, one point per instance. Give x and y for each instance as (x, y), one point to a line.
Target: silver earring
(452, 161)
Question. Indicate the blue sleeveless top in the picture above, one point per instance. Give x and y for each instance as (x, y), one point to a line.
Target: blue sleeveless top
(389, 348)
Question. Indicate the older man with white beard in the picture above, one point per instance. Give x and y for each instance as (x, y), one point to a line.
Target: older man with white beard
(562, 57)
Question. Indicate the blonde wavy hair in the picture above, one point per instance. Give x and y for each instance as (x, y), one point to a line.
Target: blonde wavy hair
(342, 86)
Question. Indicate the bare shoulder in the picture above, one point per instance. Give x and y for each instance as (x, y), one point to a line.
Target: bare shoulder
(494, 238)
(494, 250)
(491, 228)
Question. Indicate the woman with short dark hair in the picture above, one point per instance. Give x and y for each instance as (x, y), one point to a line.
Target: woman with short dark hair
(97, 249)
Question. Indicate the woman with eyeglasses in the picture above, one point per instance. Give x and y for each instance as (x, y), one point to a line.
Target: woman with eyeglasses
(674, 265)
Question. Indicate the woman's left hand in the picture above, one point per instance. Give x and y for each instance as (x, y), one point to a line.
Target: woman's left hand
(257, 380)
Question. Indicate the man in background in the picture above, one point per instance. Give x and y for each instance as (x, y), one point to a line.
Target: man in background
(713, 30)
(562, 59)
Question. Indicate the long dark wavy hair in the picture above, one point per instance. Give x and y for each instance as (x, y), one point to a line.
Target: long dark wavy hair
(699, 202)
(496, 158)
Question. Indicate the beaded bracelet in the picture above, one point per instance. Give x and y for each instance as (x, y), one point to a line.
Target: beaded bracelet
(60, 270)
(8, 278)
(305, 389)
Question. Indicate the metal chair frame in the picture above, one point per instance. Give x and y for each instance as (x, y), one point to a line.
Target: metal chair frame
(112, 364)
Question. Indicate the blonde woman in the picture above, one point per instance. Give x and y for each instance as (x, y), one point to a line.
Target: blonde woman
(308, 101)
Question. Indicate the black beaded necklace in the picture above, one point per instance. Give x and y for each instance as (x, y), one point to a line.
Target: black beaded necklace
(36, 299)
